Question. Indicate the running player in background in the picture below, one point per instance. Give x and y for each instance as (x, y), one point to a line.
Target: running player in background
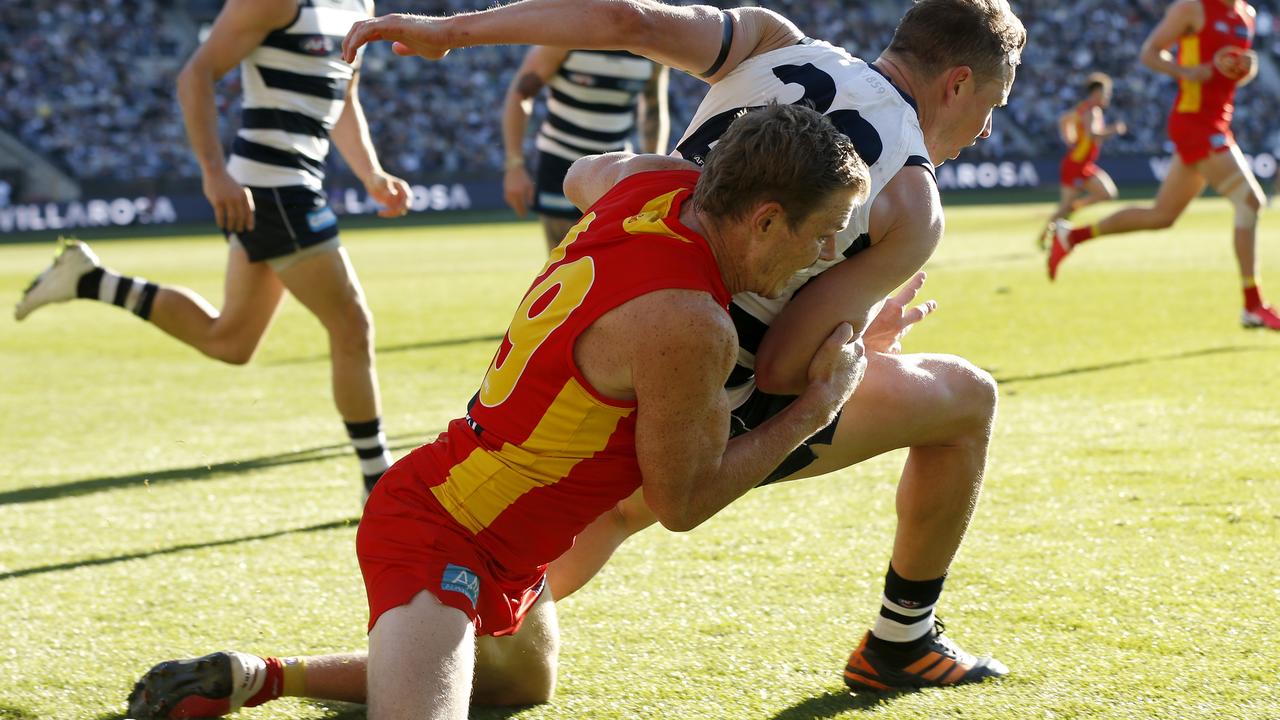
(1083, 128)
(269, 199)
(1214, 58)
(595, 97)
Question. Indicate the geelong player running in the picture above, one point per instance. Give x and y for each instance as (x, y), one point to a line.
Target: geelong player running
(268, 197)
(1213, 38)
(1083, 129)
(927, 96)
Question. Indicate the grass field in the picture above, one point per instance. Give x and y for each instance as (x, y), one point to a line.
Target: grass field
(1125, 560)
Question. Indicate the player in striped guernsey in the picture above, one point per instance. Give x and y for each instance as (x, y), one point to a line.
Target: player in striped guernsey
(927, 96)
(268, 197)
(594, 100)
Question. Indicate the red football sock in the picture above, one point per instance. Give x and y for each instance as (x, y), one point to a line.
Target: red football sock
(273, 685)
(1080, 234)
(1252, 298)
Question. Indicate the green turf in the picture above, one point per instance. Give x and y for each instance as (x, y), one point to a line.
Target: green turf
(1123, 561)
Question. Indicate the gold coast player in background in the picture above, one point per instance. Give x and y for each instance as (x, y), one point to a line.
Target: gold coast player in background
(1214, 58)
(1083, 128)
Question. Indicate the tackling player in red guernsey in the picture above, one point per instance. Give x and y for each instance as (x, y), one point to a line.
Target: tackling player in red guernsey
(1213, 39)
(610, 379)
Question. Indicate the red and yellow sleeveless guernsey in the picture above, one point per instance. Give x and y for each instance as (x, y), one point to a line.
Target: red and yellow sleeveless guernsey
(1200, 123)
(476, 516)
(1079, 163)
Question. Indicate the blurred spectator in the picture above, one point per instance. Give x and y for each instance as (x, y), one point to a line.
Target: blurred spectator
(89, 84)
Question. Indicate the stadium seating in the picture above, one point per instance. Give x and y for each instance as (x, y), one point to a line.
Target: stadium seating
(88, 84)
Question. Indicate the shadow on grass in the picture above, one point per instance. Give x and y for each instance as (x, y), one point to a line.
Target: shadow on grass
(203, 471)
(42, 569)
(388, 349)
(8, 712)
(832, 703)
(339, 710)
(1086, 369)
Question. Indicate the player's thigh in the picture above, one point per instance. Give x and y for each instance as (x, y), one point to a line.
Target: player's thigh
(520, 668)
(421, 660)
(907, 401)
(326, 284)
(1222, 169)
(251, 294)
(1180, 186)
(1067, 194)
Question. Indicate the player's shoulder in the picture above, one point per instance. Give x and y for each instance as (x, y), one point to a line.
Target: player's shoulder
(910, 200)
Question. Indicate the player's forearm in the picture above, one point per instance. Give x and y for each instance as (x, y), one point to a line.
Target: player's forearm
(583, 24)
(515, 123)
(351, 136)
(200, 118)
(1161, 61)
(747, 461)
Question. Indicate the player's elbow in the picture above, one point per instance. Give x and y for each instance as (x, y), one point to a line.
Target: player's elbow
(674, 513)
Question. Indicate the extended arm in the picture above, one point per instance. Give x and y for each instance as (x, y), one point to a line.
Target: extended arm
(1182, 18)
(1099, 128)
(239, 28)
(655, 125)
(688, 38)
(905, 236)
(682, 348)
(1067, 128)
(536, 70)
(591, 177)
(351, 137)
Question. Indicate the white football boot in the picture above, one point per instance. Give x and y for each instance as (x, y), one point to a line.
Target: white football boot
(58, 281)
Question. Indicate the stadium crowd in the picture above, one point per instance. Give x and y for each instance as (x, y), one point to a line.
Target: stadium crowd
(89, 84)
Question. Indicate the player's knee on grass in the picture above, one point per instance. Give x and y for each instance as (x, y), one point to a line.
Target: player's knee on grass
(520, 669)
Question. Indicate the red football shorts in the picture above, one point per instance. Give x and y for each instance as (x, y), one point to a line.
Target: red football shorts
(408, 543)
(1074, 174)
(1194, 139)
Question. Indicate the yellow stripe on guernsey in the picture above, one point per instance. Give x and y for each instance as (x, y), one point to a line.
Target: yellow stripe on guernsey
(650, 219)
(1084, 144)
(1189, 54)
(575, 427)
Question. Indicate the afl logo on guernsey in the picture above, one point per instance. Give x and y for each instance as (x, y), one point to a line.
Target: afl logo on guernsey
(318, 45)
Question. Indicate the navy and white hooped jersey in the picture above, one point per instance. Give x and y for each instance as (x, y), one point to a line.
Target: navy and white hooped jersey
(295, 87)
(879, 118)
(592, 107)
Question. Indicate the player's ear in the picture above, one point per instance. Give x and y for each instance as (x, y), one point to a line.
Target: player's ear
(957, 78)
(766, 216)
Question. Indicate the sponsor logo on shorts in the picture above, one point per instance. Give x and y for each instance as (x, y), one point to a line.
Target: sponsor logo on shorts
(321, 219)
(1218, 140)
(461, 580)
(1221, 26)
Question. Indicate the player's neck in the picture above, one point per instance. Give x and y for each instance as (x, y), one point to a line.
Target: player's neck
(909, 82)
(728, 262)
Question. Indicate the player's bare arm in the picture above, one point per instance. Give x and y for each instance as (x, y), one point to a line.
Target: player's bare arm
(589, 178)
(654, 120)
(678, 347)
(1067, 128)
(904, 234)
(351, 136)
(239, 28)
(687, 38)
(536, 70)
(1184, 17)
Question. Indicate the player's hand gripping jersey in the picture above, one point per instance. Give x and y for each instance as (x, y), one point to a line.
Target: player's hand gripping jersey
(880, 119)
(540, 454)
(1200, 122)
